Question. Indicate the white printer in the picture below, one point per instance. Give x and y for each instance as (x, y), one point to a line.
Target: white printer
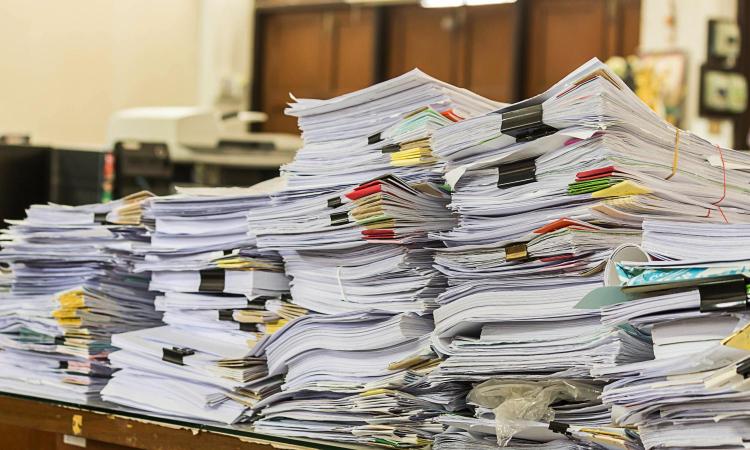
(195, 135)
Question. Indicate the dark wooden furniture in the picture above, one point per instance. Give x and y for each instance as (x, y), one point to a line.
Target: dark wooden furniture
(36, 424)
(316, 53)
(562, 35)
(323, 48)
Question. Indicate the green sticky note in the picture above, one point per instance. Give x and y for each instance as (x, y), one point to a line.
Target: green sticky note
(582, 187)
(605, 296)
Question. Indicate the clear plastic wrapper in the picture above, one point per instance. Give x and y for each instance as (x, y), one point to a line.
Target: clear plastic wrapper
(515, 403)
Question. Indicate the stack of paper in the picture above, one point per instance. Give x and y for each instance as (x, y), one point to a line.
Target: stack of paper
(212, 284)
(586, 149)
(686, 241)
(357, 377)
(378, 277)
(545, 190)
(384, 210)
(379, 134)
(392, 211)
(72, 286)
(532, 411)
(694, 393)
(377, 130)
(353, 227)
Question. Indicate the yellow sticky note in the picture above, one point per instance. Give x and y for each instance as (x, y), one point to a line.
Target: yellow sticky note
(375, 392)
(72, 299)
(740, 339)
(77, 424)
(412, 156)
(273, 327)
(622, 189)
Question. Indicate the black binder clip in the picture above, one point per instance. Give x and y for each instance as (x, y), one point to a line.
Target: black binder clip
(724, 295)
(100, 217)
(373, 139)
(559, 427)
(390, 148)
(63, 365)
(526, 124)
(212, 280)
(743, 368)
(334, 202)
(226, 315)
(516, 173)
(175, 355)
(59, 340)
(339, 218)
(247, 326)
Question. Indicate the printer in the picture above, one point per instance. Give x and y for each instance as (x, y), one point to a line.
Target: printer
(194, 134)
(156, 147)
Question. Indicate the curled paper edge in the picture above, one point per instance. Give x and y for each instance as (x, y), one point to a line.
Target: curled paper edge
(624, 252)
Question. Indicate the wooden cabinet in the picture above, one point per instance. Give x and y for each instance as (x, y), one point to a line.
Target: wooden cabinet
(317, 53)
(470, 47)
(490, 31)
(505, 52)
(562, 35)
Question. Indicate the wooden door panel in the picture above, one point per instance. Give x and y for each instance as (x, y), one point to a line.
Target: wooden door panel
(296, 52)
(629, 26)
(312, 54)
(561, 37)
(489, 61)
(422, 38)
(353, 50)
(331, 50)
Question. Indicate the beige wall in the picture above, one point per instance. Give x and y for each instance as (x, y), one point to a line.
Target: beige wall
(226, 47)
(65, 66)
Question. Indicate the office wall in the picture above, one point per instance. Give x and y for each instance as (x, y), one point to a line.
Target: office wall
(65, 66)
(690, 36)
(226, 43)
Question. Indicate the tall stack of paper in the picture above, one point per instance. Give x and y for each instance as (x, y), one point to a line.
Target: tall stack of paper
(386, 210)
(375, 131)
(525, 250)
(213, 284)
(694, 393)
(72, 286)
(353, 227)
(545, 189)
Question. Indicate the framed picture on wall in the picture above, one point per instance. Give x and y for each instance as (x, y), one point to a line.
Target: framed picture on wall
(660, 80)
(724, 42)
(723, 92)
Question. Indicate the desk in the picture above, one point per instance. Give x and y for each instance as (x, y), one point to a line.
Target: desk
(30, 423)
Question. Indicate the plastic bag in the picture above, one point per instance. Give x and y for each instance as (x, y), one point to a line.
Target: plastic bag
(517, 402)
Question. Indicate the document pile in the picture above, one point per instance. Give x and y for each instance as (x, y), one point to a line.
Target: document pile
(213, 284)
(71, 287)
(694, 394)
(545, 190)
(382, 129)
(385, 209)
(353, 229)
(513, 412)
(525, 250)
(356, 377)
